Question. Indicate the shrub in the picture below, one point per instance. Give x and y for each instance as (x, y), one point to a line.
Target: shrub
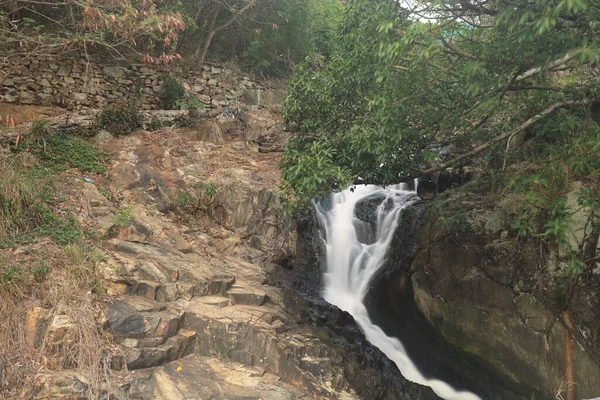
(40, 130)
(124, 216)
(184, 199)
(119, 121)
(154, 124)
(210, 190)
(189, 103)
(171, 92)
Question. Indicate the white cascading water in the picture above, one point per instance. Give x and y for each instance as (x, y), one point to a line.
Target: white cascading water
(354, 256)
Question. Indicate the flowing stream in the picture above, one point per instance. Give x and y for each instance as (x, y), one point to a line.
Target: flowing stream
(355, 251)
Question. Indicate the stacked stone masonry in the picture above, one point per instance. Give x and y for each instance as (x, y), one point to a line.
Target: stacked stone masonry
(73, 82)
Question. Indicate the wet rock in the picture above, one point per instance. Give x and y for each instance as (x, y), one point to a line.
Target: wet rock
(426, 189)
(377, 377)
(483, 294)
(533, 313)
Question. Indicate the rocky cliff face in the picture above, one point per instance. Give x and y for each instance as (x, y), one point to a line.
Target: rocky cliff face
(202, 273)
(494, 298)
(213, 293)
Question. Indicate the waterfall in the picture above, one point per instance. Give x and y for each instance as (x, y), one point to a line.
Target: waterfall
(355, 251)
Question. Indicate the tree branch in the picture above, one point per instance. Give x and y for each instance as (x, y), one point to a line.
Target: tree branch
(506, 135)
(235, 16)
(535, 87)
(533, 71)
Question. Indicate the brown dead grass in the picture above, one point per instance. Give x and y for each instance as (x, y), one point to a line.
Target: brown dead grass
(69, 287)
(18, 193)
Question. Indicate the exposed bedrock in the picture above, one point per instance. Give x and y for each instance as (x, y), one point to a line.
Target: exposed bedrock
(468, 307)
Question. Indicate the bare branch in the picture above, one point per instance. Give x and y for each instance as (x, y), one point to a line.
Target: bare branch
(235, 16)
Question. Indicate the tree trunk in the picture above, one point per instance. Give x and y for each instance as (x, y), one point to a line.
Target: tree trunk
(590, 245)
(211, 33)
(212, 30)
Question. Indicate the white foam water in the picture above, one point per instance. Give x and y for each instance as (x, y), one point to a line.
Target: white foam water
(354, 255)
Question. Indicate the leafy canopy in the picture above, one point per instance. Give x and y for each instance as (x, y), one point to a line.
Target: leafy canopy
(458, 73)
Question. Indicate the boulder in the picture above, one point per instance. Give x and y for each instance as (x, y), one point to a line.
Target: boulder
(61, 339)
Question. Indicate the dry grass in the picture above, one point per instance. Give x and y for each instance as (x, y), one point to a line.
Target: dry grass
(18, 192)
(62, 281)
(565, 387)
(58, 280)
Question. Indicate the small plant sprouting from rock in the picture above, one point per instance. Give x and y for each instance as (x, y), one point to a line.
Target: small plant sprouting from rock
(154, 124)
(172, 92)
(210, 190)
(124, 216)
(221, 350)
(196, 202)
(184, 199)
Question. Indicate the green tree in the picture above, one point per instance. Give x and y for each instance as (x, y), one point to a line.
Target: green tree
(299, 29)
(269, 36)
(496, 81)
(474, 74)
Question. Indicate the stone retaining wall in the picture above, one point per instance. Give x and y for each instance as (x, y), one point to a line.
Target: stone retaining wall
(71, 81)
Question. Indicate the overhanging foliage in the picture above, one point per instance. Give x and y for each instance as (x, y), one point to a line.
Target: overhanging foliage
(454, 73)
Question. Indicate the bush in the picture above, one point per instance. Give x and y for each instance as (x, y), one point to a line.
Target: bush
(154, 124)
(40, 130)
(171, 93)
(119, 121)
(189, 103)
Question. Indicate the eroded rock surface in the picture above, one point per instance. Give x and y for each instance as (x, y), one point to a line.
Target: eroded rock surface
(495, 298)
(202, 301)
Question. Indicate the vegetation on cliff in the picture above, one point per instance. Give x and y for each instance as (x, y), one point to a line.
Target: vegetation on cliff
(417, 88)
(47, 266)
